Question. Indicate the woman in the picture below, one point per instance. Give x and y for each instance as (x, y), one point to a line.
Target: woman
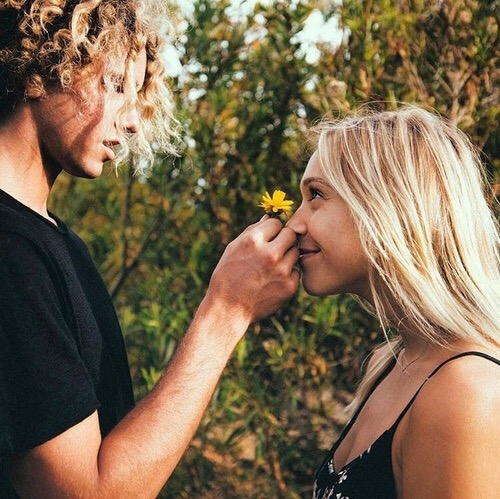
(77, 78)
(395, 211)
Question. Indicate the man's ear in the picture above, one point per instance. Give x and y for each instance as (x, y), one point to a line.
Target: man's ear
(34, 88)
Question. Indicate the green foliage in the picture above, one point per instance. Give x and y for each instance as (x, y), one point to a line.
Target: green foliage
(443, 55)
(246, 102)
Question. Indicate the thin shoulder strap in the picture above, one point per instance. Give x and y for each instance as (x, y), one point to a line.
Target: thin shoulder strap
(463, 354)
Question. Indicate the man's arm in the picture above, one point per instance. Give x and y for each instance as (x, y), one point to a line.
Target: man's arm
(254, 277)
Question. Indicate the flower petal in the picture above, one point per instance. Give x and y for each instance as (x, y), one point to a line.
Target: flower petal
(276, 203)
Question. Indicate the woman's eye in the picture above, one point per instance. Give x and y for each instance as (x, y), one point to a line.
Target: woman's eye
(314, 193)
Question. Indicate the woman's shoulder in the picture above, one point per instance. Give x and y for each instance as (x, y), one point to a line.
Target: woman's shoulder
(462, 396)
(461, 381)
(451, 430)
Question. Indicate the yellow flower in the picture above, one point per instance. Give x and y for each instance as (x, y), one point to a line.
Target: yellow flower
(276, 204)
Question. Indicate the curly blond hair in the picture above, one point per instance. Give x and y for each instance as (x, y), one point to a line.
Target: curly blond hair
(48, 44)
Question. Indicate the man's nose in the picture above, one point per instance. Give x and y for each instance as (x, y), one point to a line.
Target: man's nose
(132, 121)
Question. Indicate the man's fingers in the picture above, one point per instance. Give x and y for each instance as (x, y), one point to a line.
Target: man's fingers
(267, 227)
(286, 240)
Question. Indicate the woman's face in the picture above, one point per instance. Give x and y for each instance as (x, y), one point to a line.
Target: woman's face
(331, 258)
(78, 135)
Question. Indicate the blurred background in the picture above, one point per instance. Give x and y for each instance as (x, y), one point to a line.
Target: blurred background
(249, 78)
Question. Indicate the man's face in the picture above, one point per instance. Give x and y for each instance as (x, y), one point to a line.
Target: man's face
(77, 129)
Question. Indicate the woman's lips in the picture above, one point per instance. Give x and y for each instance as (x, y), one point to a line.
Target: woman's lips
(306, 253)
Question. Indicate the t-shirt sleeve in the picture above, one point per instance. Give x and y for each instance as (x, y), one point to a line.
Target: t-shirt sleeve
(45, 387)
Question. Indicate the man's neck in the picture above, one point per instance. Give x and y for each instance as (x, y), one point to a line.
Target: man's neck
(22, 173)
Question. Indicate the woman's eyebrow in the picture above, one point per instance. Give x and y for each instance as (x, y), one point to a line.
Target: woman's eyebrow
(311, 180)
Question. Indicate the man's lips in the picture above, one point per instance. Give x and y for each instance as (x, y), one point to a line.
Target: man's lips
(110, 145)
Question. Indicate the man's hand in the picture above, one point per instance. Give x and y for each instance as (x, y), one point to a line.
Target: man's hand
(256, 273)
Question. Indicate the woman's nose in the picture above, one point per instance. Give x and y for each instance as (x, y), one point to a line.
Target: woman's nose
(296, 223)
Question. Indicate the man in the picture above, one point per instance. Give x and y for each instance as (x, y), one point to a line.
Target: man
(77, 76)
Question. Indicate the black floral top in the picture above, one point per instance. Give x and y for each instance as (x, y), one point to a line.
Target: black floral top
(370, 475)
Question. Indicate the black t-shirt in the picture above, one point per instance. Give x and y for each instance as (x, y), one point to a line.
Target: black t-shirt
(62, 354)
